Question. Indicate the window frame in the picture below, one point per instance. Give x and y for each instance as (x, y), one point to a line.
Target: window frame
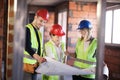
(113, 8)
(63, 24)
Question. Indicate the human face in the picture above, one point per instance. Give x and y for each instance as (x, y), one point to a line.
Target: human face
(56, 39)
(40, 22)
(84, 32)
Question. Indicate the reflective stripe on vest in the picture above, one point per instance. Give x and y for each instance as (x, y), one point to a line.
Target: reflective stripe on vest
(86, 55)
(34, 44)
(28, 56)
(81, 60)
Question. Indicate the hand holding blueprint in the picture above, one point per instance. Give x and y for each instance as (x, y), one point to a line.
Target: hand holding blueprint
(53, 67)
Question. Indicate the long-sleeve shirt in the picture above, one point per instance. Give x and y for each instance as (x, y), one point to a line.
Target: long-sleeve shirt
(28, 43)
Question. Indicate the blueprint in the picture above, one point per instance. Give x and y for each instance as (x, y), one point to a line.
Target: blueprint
(53, 67)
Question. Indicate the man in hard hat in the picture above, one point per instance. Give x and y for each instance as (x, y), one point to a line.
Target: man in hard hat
(33, 45)
(54, 48)
(86, 49)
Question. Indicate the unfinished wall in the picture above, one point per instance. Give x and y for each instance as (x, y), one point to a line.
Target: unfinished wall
(112, 58)
(6, 28)
(10, 34)
(1, 33)
(77, 12)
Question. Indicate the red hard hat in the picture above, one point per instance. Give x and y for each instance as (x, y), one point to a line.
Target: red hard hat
(57, 30)
(43, 13)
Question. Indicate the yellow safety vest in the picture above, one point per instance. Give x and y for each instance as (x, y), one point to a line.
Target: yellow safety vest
(86, 55)
(50, 44)
(34, 44)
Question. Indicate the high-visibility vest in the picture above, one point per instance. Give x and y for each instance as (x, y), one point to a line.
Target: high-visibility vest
(52, 46)
(34, 44)
(86, 55)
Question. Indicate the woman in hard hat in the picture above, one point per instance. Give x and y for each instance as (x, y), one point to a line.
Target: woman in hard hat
(85, 49)
(55, 48)
(33, 45)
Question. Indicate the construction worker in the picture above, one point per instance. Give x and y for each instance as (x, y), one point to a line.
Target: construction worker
(54, 48)
(33, 45)
(85, 49)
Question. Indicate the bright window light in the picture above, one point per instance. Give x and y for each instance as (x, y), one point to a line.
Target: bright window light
(108, 28)
(116, 27)
(112, 26)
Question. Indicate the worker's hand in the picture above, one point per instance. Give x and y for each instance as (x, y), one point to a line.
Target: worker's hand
(70, 61)
(66, 53)
(39, 58)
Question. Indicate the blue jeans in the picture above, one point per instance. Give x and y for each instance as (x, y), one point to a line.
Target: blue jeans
(34, 76)
(29, 76)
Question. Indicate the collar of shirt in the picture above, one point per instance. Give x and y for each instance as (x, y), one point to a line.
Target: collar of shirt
(54, 43)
